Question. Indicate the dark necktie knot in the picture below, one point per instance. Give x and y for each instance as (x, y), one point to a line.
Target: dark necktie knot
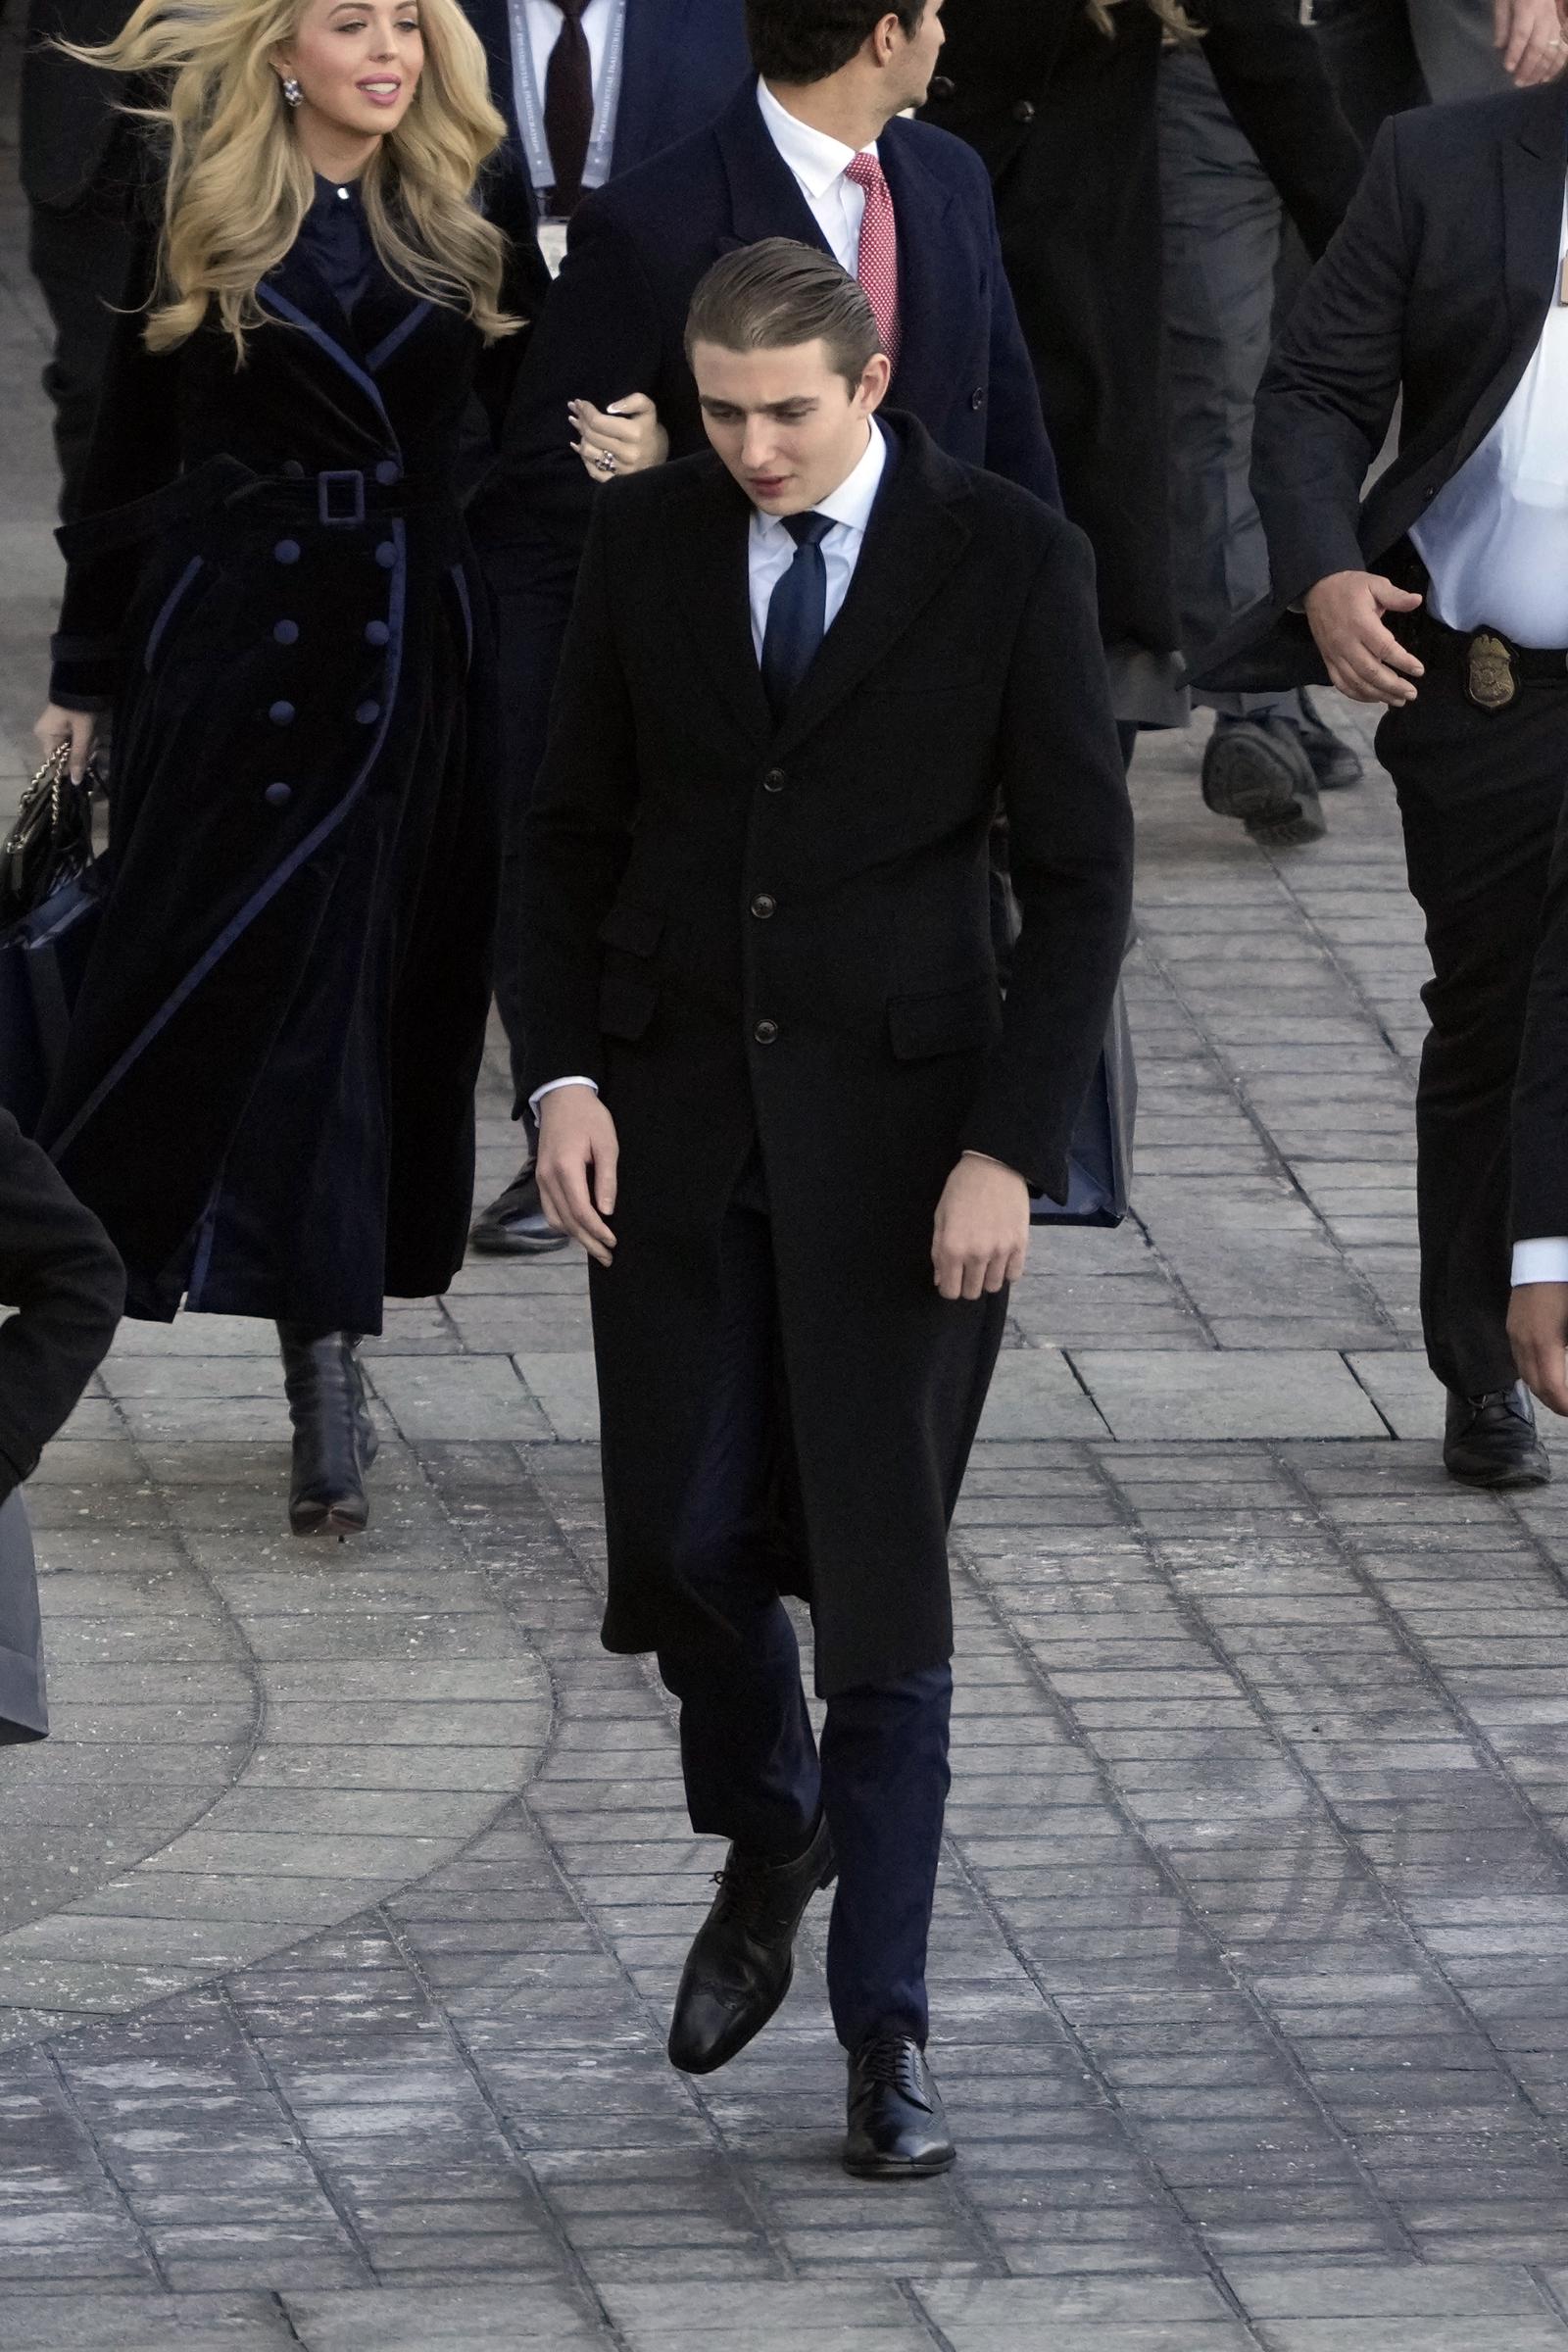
(809, 529)
(571, 10)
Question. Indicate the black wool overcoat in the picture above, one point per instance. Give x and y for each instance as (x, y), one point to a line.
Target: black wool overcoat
(268, 1092)
(778, 936)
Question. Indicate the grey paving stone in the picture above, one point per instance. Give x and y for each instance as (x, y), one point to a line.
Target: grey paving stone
(1235, 1394)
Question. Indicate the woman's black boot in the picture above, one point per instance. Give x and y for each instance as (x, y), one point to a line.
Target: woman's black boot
(334, 1437)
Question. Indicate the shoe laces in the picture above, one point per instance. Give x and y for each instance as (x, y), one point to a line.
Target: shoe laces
(891, 2058)
(744, 1889)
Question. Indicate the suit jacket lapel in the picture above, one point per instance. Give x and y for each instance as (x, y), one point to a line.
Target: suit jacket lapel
(492, 22)
(297, 292)
(935, 290)
(1533, 165)
(764, 195)
(919, 530)
(706, 550)
(654, 36)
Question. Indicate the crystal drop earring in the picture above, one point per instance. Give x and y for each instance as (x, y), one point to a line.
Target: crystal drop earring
(291, 90)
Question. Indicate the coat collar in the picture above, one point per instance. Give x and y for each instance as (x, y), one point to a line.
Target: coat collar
(936, 289)
(918, 529)
(296, 291)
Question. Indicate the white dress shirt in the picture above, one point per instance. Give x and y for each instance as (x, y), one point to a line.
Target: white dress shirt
(1494, 539)
(770, 550)
(819, 163)
(769, 553)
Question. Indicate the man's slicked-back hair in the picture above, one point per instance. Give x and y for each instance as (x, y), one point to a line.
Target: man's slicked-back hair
(806, 40)
(780, 294)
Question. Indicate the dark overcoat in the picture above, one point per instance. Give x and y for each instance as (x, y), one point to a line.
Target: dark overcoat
(616, 323)
(1065, 117)
(268, 1092)
(778, 936)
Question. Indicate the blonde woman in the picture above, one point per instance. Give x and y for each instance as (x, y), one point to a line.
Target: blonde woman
(268, 1092)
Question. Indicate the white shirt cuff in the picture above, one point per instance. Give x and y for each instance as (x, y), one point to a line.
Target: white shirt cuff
(540, 1091)
(1541, 1261)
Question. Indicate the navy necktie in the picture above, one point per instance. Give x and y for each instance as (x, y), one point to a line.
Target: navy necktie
(797, 613)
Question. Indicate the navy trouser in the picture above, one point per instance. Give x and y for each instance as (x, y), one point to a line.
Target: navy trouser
(751, 1768)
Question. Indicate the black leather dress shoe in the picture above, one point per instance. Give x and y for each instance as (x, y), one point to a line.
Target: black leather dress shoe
(514, 1224)
(334, 1437)
(740, 1966)
(1491, 1440)
(898, 2126)
(1259, 770)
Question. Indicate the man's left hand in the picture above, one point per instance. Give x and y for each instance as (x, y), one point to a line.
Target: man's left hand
(982, 1230)
(1530, 35)
(1538, 1333)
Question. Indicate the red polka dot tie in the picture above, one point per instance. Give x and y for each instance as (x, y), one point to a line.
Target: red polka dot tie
(878, 266)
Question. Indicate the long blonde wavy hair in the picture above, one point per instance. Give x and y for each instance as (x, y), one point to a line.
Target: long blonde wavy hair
(239, 185)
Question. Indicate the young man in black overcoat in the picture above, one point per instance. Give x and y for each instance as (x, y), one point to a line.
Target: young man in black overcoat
(786, 1112)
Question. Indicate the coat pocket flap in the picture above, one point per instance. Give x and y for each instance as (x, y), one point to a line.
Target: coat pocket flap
(635, 929)
(626, 1001)
(955, 1020)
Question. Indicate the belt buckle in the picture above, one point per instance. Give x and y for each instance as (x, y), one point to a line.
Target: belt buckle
(1490, 673)
(327, 484)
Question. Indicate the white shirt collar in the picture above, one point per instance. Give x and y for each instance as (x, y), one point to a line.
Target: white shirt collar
(815, 160)
(851, 502)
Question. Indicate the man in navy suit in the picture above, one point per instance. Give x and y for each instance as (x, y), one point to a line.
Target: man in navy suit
(591, 88)
(811, 148)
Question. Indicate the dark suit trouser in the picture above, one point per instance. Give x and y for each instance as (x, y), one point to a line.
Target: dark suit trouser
(751, 1768)
(79, 258)
(1480, 796)
(24, 1708)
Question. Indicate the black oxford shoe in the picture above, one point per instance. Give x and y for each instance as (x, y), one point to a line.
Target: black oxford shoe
(514, 1224)
(898, 2126)
(1259, 770)
(1490, 1441)
(334, 1437)
(740, 1966)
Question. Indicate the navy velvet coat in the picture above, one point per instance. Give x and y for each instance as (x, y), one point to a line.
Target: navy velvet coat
(267, 1093)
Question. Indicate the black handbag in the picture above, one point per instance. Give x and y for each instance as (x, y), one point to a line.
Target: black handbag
(50, 901)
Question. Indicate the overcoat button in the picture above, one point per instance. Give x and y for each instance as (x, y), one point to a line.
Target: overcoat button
(1024, 110)
(977, 398)
(281, 714)
(386, 555)
(287, 551)
(763, 906)
(294, 469)
(368, 713)
(376, 633)
(278, 796)
(765, 1032)
(388, 473)
(286, 632)
(773, 781)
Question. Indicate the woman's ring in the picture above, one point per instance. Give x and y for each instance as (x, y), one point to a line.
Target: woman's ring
(605, 460)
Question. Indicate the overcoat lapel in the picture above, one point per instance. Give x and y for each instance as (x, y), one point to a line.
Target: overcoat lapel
(764, 195)
(707, 554)
(1534, 164)
(936, 289)
(917, 532)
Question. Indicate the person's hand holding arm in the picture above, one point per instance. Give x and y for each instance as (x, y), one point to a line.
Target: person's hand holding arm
(629, 431)
(1364, 659)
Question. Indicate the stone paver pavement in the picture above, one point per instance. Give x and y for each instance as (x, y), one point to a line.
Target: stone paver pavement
(339, 1919)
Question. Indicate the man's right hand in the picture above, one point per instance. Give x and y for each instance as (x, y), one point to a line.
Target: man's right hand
(1364, 659)
(575, 1165)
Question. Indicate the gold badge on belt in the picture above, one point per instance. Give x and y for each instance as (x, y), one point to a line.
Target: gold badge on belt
(1490, 679)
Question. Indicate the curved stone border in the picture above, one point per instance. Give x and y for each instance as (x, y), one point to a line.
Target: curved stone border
(359, 1714)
